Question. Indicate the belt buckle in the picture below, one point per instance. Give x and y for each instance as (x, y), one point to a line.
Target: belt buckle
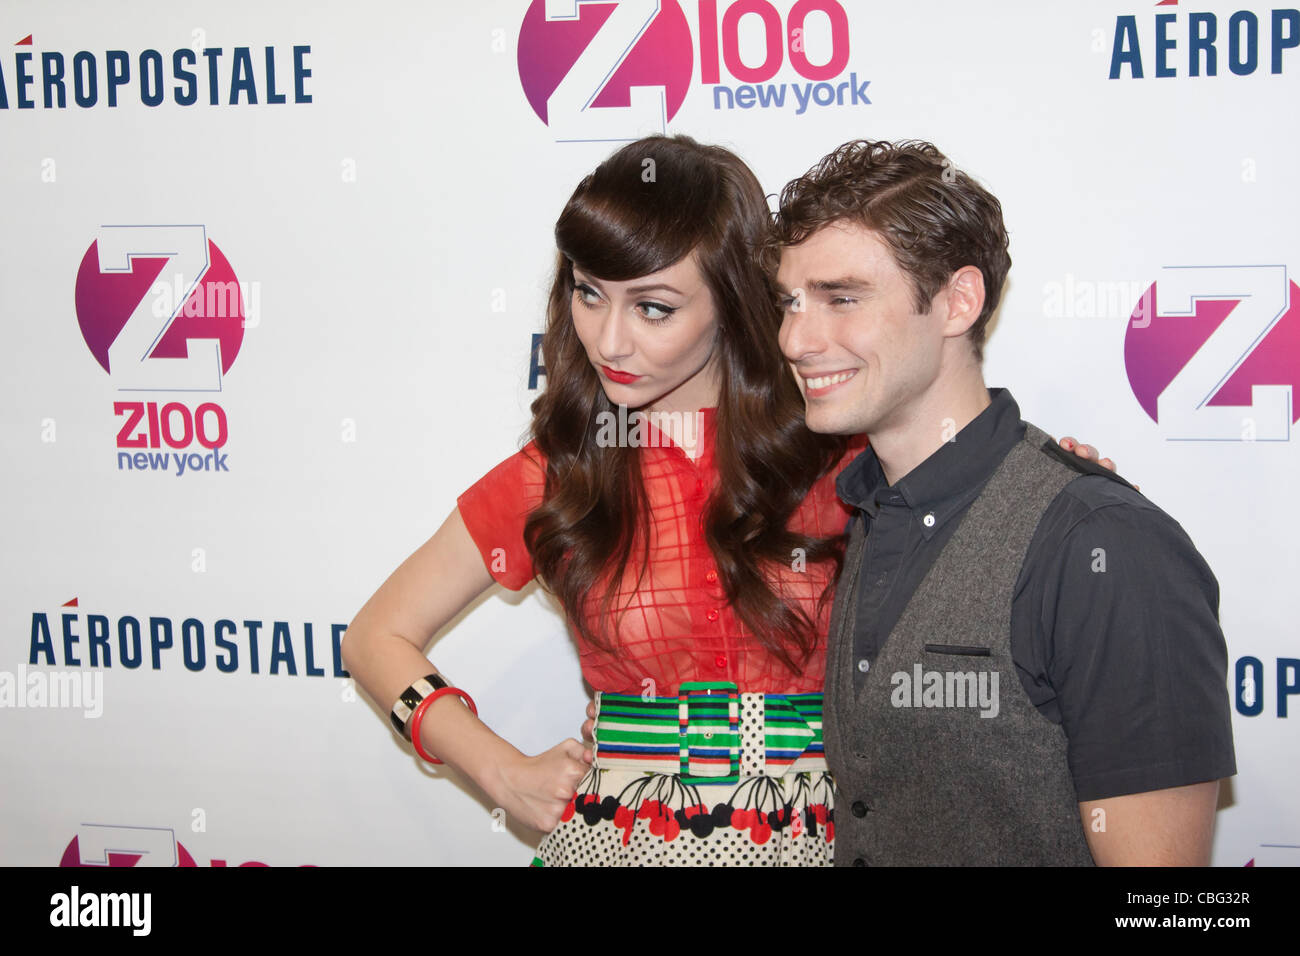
(708, 690)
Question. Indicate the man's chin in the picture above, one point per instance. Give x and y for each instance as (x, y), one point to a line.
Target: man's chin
(828, 421)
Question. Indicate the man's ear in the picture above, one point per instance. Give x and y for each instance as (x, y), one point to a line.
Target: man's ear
(965, 296)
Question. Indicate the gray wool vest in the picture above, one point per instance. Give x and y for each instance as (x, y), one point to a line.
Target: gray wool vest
(942, 759)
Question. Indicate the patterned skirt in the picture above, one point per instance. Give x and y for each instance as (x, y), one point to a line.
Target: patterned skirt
(713, 777)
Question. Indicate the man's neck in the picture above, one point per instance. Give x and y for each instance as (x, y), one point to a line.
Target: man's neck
(930, 422)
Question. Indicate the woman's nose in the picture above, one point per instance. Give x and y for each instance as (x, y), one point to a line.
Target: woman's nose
(614, 342)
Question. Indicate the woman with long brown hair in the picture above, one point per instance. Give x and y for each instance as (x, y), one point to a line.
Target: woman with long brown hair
(684, 517)
(673, 501)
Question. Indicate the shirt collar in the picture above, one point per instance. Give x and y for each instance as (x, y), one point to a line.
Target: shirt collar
(944, 484)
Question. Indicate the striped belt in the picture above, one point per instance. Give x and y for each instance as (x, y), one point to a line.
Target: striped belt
(710, 733)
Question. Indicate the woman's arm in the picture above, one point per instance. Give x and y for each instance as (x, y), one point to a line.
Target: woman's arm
(383, 649)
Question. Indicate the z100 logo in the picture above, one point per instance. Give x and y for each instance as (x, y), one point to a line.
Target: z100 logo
(98, 845)
(600, 70)
(161, 311)
(1213, 353)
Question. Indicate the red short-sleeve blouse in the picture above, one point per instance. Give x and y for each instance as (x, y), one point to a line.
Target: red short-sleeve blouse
(677, 625)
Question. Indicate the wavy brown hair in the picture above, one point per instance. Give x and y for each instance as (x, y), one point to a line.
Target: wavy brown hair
(934, 217)
(649, 205)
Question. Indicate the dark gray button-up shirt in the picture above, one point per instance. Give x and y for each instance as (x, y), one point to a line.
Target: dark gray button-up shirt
(1114, 626)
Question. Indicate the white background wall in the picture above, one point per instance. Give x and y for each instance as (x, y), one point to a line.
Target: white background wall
(395, 236)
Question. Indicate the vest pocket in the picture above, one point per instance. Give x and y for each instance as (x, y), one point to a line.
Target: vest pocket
(966, 650)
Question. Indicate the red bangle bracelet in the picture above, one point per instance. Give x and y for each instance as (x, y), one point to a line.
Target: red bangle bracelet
(418, 716)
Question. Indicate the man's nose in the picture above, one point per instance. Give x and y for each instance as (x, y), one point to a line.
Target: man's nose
(799, 336)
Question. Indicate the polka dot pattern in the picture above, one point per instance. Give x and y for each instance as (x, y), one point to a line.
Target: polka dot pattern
(753, 746)
(630, 818)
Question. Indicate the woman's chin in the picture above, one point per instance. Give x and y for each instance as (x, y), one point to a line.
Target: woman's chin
(633, 397)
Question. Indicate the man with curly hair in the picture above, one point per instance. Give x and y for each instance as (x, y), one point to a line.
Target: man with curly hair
(1025, 662)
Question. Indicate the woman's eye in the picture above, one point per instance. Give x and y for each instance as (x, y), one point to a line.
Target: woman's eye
(843, 300)
(587, 294)
(655, 312)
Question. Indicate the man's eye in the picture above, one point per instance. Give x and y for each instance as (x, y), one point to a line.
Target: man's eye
(794, 302)
(843, 300)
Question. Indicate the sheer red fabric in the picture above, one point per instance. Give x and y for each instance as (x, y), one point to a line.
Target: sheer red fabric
(676, 626)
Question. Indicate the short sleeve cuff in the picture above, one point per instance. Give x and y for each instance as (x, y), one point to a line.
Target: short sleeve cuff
(495, 510)
(1164, 776)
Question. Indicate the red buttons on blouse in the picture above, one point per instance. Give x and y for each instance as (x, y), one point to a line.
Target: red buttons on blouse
(711, 576)
(720, 661)
(711, 614)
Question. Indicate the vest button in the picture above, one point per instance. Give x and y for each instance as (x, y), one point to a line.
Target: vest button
(711, 576)
(860, 862)
(711, 614)
(859, 808)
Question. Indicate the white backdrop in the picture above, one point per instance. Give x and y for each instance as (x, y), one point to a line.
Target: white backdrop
(392, 239)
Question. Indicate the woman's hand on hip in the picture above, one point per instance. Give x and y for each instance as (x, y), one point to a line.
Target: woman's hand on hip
(535, 790)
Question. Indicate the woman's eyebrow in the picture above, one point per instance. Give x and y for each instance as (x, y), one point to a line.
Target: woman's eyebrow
(654, 287)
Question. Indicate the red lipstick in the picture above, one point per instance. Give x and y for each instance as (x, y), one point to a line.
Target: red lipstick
(622, 378)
